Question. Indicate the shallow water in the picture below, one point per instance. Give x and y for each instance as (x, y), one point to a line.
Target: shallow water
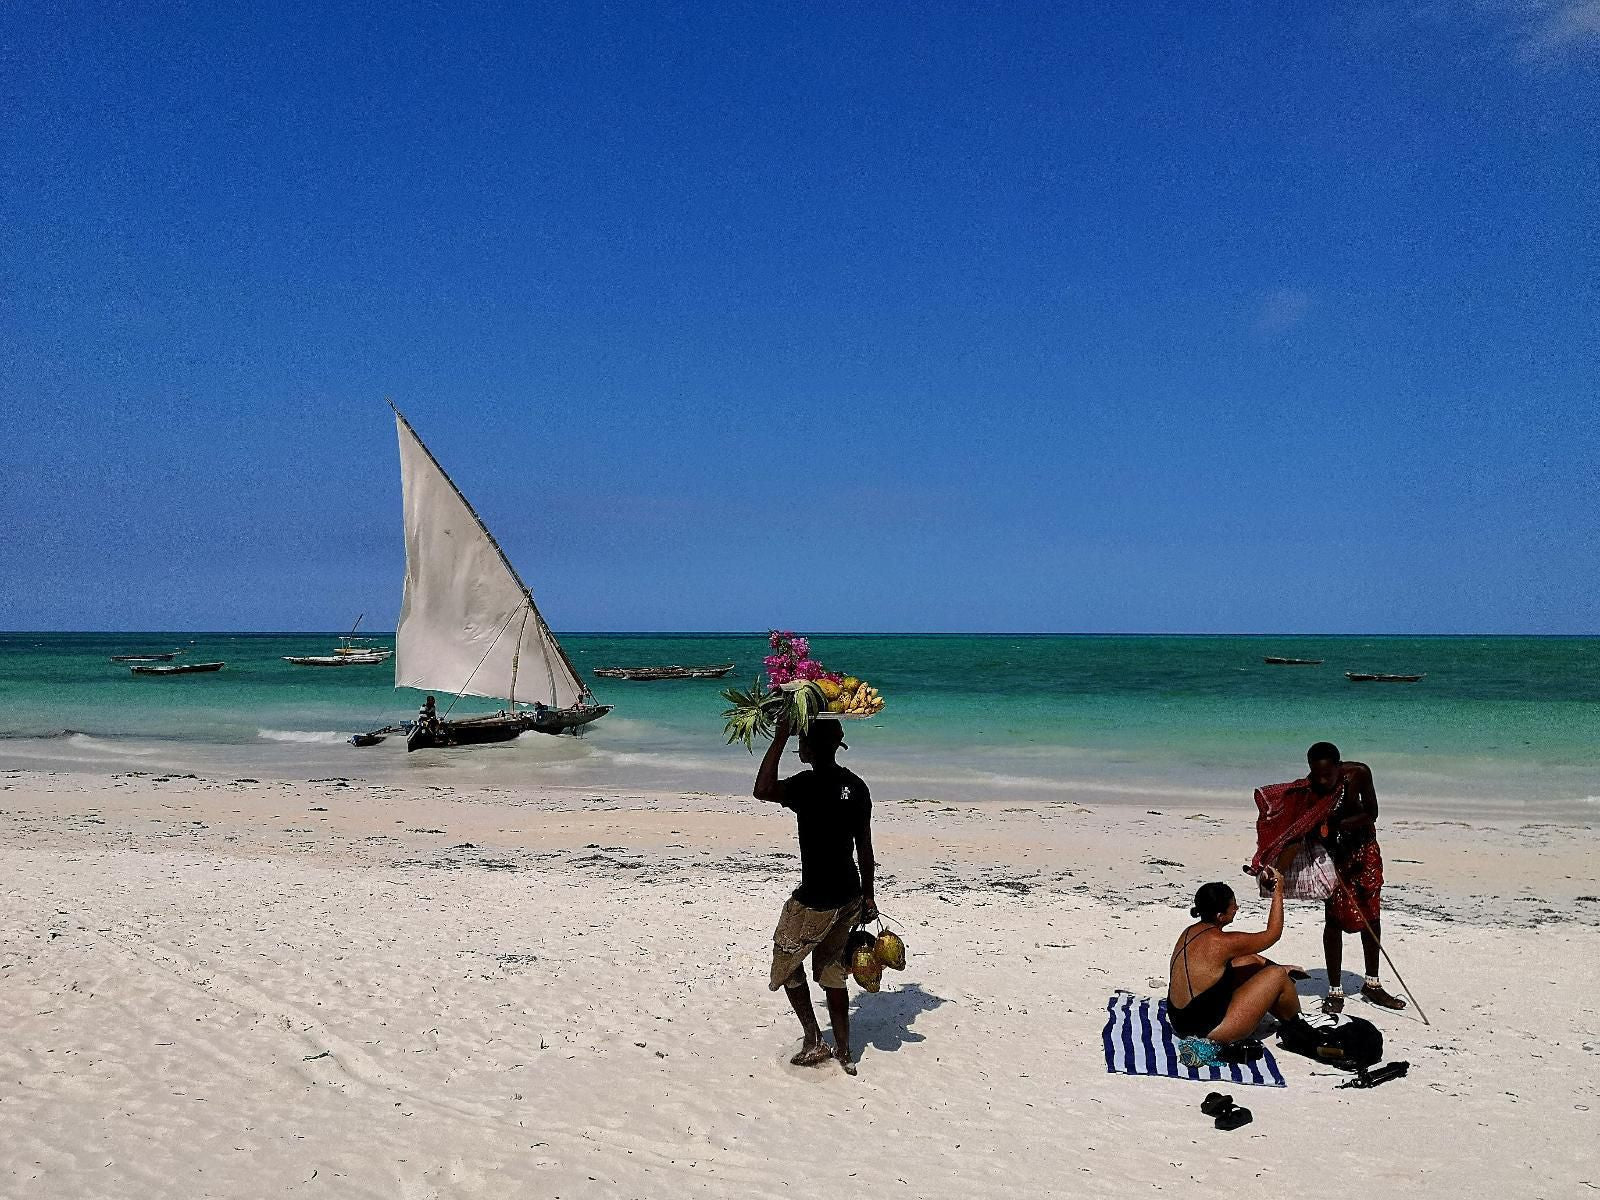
(1501, 726)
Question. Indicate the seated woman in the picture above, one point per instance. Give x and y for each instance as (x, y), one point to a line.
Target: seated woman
(1218, 985)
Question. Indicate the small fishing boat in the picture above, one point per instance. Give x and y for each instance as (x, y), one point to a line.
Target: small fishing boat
(338, 660)
(382, 653)
(1291, 662)
(646, 674)
(1363, 677)
(167, 657)
(351, 646)
(468, 624)
(352, 651)
(179, 669)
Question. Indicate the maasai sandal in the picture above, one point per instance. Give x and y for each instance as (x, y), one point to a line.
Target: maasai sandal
(1373, 993)
(1332, 1005)
(1215, 1104)
(1234, 1118)
(812, 1056)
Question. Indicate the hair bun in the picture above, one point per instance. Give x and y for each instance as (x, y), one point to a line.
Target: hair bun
(1194, 912)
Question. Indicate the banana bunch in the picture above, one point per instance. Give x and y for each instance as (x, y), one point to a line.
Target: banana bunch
(855, 698)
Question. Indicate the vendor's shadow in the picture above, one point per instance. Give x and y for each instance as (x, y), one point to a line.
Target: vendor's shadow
(884, 1021)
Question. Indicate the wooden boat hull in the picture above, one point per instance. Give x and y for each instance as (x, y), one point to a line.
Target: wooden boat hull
(564, 720)
(1361, 677)
(180, 669)
(366, 739)
(1291, 662)
(332, 660)
(650, 674)
(472, 731)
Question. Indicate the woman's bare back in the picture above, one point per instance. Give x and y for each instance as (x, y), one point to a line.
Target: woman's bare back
(1207, 961)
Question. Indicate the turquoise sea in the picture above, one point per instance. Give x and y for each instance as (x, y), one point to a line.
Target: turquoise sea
(1501, 726)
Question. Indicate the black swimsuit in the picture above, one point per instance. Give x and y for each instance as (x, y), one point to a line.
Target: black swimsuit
(1204, 1012)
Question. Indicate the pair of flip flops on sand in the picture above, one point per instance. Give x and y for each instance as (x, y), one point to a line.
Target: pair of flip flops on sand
(1228, 1115)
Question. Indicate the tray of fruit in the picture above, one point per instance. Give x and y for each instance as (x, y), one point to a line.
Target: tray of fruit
(798, 688)
(849, 699)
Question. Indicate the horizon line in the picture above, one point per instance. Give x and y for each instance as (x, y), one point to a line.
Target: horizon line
(762, 634)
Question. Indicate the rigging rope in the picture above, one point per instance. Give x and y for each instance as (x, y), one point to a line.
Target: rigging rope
(481, 661)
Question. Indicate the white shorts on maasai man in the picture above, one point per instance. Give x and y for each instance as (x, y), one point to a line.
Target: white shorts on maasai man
(821, 933)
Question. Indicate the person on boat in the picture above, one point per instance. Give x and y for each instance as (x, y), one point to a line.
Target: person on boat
(1218, 985)
(833, 811)
(428, 715)
(1352, 841)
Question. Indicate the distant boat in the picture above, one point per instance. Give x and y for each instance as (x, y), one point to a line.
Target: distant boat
(339, 660)
(1291, 662)
(167, 657)
(351, 646)
(352, 651)
(468, 624)
(1362, 677)
(645, 674)
(179, 669)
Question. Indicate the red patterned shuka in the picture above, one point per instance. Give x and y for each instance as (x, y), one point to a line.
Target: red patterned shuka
(1288, 812)
(1363, 881)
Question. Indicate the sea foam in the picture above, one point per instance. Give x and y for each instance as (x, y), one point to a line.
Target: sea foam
(316, 737)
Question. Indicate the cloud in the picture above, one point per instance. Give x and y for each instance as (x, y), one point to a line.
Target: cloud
(1554, 30)
(1281, 310)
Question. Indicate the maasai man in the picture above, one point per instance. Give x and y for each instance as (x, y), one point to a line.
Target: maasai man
(1352, 839)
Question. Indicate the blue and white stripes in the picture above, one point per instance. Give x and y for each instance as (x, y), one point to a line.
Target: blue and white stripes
(1139, 1041)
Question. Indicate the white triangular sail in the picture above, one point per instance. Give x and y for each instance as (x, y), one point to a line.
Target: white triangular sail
(468, 624)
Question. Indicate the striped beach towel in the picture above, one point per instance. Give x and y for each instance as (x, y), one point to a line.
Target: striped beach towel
(1139, 1041)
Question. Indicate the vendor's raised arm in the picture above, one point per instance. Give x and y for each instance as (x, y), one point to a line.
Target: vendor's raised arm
(768, 785)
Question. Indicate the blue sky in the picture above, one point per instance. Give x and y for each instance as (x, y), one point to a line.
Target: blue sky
(964, 317)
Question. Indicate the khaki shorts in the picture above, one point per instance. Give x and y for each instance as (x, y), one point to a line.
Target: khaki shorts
(821, 933)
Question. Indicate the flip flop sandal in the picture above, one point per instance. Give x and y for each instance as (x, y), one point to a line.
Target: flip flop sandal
(1215, 1104)
(1234, 1118)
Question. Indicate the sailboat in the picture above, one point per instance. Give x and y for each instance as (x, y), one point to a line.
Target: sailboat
(468, 624)
(351, 646)
(352, 651)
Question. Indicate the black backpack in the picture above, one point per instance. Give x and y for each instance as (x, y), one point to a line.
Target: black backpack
(1350, 1044)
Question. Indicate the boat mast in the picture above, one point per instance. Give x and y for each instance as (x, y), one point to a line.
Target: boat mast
(526, 592)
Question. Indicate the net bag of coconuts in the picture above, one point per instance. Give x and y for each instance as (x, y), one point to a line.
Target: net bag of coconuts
(868, 954)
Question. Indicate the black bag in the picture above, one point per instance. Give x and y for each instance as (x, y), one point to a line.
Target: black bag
(1350, 1044)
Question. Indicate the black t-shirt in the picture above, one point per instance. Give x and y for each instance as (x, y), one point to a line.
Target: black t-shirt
(832, 806)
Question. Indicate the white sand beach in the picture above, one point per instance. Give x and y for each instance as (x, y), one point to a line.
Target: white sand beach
(216, 987)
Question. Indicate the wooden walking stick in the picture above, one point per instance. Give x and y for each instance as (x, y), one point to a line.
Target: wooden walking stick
(1379, 941)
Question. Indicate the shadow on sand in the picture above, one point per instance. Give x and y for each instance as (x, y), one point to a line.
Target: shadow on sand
(884, 1021)
(1317, 985)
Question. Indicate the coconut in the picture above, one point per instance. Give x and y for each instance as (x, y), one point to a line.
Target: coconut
(891, 951)
(864, 965)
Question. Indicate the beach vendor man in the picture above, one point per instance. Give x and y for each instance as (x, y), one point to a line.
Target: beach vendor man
(1352, 840)
(833, 812)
